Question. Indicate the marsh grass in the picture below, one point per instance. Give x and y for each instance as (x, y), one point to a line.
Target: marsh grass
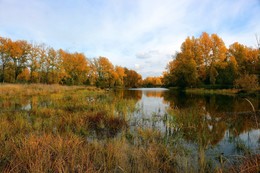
(243, 164)
(56, 128)
(55, 153)
(53, 128)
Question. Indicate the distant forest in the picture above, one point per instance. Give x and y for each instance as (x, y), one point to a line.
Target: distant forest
(203, 61)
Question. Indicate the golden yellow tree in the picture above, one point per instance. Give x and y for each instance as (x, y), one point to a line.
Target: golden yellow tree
(132, 79)
(105, 72)
(24, 76)
(18, 53)
(34, 63)
(120, 74)
(75, 66)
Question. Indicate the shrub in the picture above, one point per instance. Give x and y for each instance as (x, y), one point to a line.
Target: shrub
(247, 82)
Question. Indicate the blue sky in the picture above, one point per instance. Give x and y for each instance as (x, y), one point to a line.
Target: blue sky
(138, 34)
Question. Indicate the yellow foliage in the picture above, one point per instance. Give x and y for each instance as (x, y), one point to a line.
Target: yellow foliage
(24, 76)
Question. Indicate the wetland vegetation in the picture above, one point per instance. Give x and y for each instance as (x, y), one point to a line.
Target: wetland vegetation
(53, 128)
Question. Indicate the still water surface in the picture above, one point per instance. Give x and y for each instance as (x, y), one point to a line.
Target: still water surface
(217, 123)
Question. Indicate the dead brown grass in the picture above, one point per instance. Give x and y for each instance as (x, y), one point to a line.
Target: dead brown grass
(247, 164)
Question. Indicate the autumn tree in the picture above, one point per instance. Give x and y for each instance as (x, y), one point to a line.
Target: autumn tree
(55, 70)
(185, 73)
(200, 61)
(218, 57)
(24, 76)
(4, 57)
(132, 79)
(105, 72)
(18, 53)
(75, 67)
(183, 69)
(34, 63)
(168, 74)
(238, 54)
(24, 62)
(228, 74)
(246, 58)
(205, 45)
(247, 82)
(213, 52)
(119, 76)
(152, 82)
(43, 65)
(92, 75)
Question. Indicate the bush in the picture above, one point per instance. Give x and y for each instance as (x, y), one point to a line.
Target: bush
(247, 82)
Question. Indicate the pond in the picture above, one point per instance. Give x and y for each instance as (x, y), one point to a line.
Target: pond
(218, 123)
(212, 124)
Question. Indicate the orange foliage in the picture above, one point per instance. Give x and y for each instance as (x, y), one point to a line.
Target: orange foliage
(152, 81)
(21, 61)
(206, 60)
(75, 66)
(24, 76)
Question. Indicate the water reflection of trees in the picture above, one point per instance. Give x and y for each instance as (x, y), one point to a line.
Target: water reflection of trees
(219, 103)
(128, 94)
(153, 93)
(137, 94)
(198, 126)
(206, 118)
(202, 117)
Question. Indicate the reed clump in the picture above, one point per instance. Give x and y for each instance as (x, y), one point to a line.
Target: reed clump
(247, 163)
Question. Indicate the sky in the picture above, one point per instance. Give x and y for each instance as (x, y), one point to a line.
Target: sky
(137, 34)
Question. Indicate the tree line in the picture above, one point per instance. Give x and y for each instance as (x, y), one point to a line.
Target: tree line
(202, 61)
(23, 62)
(206, 61)
(152, 82)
